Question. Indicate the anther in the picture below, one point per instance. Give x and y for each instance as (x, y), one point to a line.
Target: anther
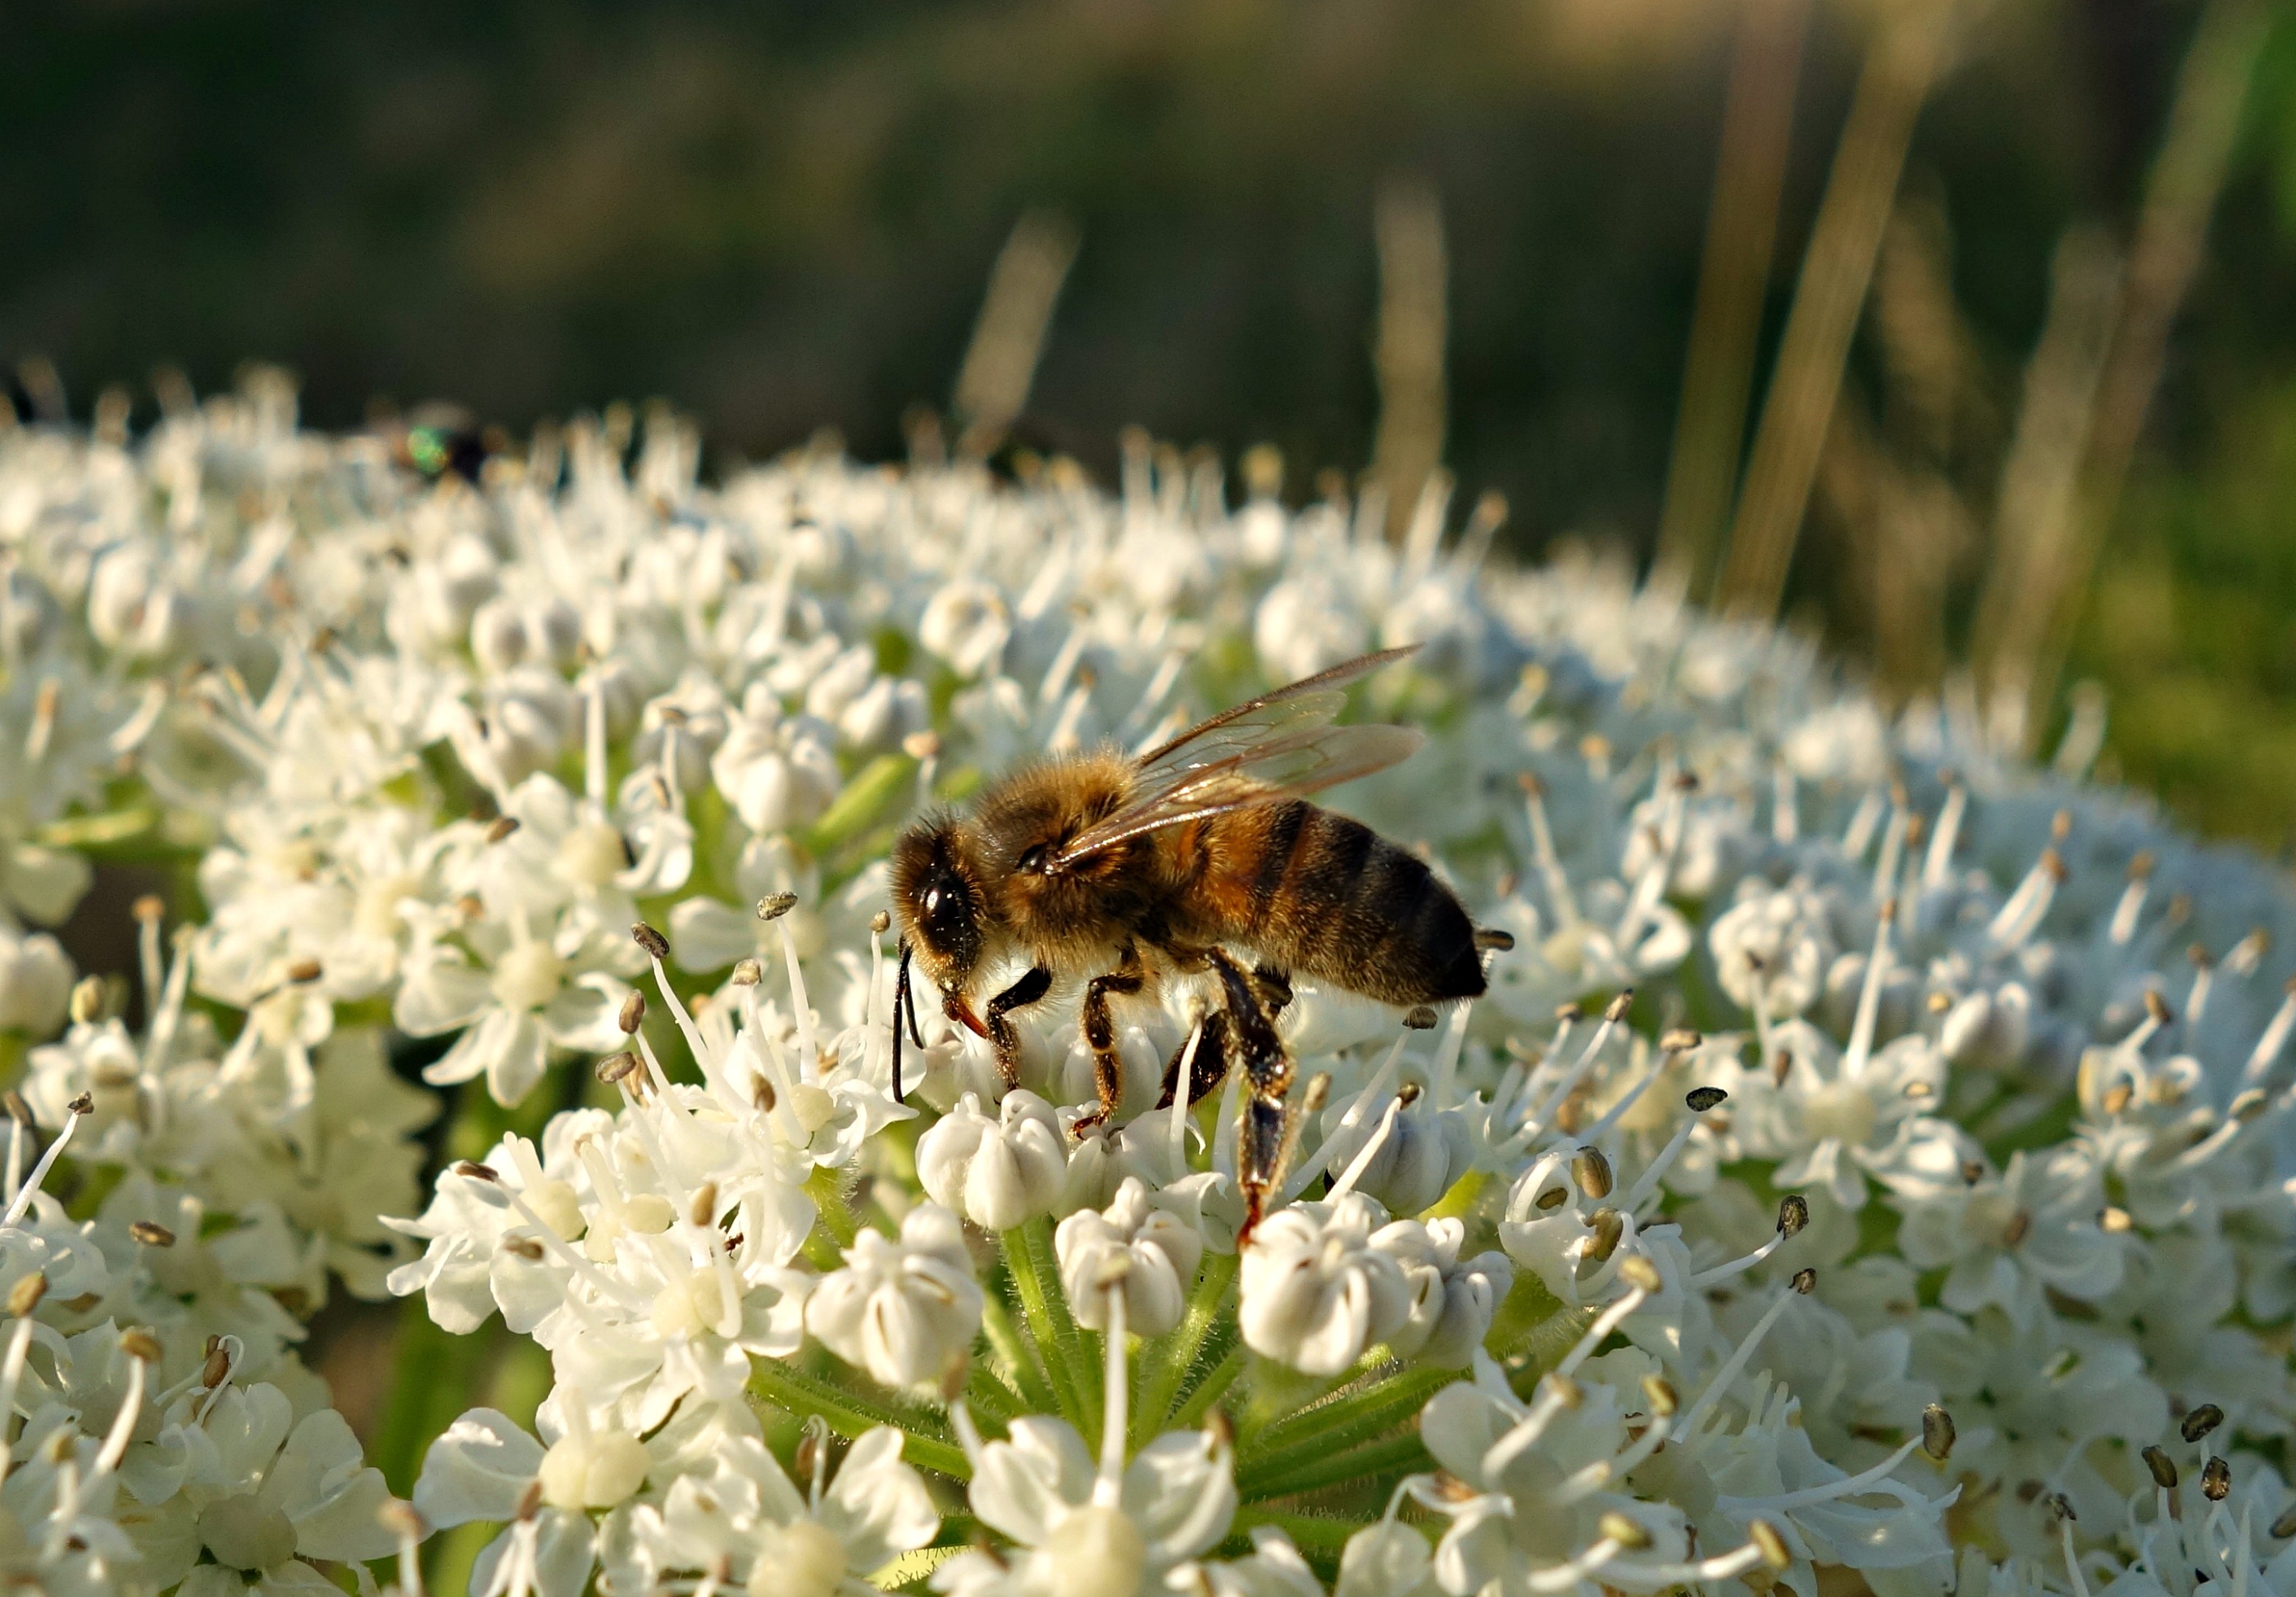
(1492, 938)
(879, 924)
(304, 972)
(634, 1014)
(2285, 1526)
(1408, 1093)
(17, 1110)
(1702, 1099)
(470, 1170)
(703, 1209)
(1421, 1017)
(502, 827)
(1565, 1391)
(656, 945)
(2216, 1481)
(1567, 1013)
(1937, 1433)
(1805, 1281)
(2201, 1421)
(216, 1368)
(1680, 1041)
(2157, 1007)
(2117, 1096)
(140, 1345)
(524, 1248)
(85, 1104)
(2115, 1220)
(1608, 1226)
(397, 1516)
(152, 1234)
(615, 1067)
(87, 1000)
(1591, 1169)
(1793, 1213)
(150, 908)
(2059, 1507)
(1627, 1533)
(774, 905)
(1660, 1393)
(1616, 1010)
(1640, 1273)
(25, 1295)
(1764, 1536)
(2163, 1467)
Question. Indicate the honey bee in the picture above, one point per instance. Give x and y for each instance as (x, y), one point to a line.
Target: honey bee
(1127, 872)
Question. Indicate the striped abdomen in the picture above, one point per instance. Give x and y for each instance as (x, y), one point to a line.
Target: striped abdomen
(1325, 897)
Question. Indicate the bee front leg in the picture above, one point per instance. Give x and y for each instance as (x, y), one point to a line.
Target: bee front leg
(1099, 1028)
(1003, 1034)
(1267, 1081)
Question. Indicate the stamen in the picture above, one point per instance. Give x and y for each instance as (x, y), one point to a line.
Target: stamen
(1735, 1365)
(2022, 915)
(1551, 873)
(1937, 868)
(1785, 809)
(1859, 835)
(12, 1370)
(22, 1199)
(1793, 1213)
(1108, 1487)
(1848, 1486)
(1613, 1316)
(142, 1352)
(1181, 1089)
(1611, 1016)
(1320, 1160)
(2125, 913)
(777, 908)
(1869, 997)
(1369, 1151)
(2267, 1053)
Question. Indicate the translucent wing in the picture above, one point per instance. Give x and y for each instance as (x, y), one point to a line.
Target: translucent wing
(1282, 746)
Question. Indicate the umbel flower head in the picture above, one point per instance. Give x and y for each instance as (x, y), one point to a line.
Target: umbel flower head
(1871, 1160)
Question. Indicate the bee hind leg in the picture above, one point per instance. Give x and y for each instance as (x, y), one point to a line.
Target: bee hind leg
(1099, 1028)
(1003, 1034)
(1267, 1081)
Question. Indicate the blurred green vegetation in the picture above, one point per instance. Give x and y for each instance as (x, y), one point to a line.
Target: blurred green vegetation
(782, 217)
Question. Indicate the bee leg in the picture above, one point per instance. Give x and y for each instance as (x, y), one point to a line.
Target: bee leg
(1274, 988)
(1099, 1028)
(1002, 1032)
(1267, 1080)
(1207, 1070)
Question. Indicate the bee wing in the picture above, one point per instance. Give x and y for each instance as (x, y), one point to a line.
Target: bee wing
(1279, 746)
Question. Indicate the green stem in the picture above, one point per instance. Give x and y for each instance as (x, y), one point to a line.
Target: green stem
(1020, 1359)
(1213, 1387)
(1160, 1381)
(1039, 1278)
(1339, 1425)
(829, 1198)
(434, 1371)
(851, 1414)
(1397, 1455)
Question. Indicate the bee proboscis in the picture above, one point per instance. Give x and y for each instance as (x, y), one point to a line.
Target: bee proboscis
(1126, 872)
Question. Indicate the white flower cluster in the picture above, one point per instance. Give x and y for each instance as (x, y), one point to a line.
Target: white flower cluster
(1872, 1154)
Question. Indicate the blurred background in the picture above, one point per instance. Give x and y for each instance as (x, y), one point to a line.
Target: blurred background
(1964, 334)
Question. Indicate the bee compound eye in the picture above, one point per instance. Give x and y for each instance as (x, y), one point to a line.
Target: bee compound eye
(1032, 858)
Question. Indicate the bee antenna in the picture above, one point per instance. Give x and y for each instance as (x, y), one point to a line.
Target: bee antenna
(905, 1007)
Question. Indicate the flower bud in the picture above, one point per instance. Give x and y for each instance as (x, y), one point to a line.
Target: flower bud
(995, 1171)
(1158, 1248)
(898, 1309)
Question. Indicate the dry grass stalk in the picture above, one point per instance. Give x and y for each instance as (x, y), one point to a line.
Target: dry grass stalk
(1414, 328)
(1741, 225)
(2165, 255)
(1900, 64)
(1000, 362)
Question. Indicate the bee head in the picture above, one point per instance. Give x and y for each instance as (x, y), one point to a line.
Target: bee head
(939, 899)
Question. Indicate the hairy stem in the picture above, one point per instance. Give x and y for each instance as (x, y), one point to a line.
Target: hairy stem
(851, 1414)
(1172, 1363)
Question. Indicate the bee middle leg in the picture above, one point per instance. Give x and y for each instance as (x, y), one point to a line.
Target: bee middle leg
(1003, 1034)
(1267, 1081)
(1207, 1070)
(1099, 1028)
